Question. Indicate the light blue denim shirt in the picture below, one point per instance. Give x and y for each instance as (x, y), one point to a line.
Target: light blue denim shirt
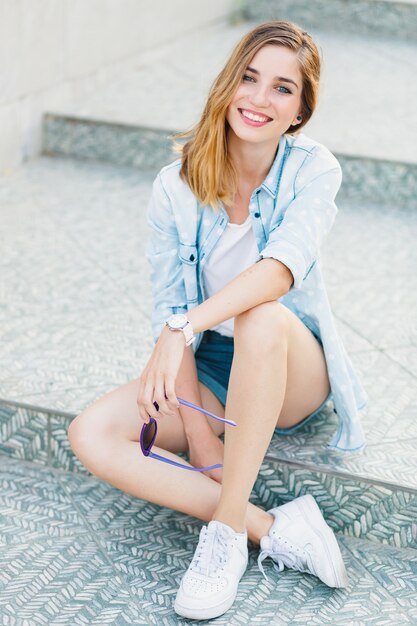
(292, 212)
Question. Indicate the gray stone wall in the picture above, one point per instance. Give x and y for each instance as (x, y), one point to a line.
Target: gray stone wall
(52, 51)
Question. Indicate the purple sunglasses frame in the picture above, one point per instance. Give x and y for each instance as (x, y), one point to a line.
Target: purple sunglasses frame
(153, 455)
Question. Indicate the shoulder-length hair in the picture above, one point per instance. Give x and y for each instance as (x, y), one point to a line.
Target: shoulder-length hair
(206, 165)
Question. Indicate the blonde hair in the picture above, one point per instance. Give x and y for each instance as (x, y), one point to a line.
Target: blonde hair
(206, 165)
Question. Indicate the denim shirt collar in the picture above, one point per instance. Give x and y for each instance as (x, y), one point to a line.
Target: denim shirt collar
(271, 182)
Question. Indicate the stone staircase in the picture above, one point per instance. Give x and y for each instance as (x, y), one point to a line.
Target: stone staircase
(75, 323)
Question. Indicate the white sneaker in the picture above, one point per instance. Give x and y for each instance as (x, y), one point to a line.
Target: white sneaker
(300, 539)
(209, 586)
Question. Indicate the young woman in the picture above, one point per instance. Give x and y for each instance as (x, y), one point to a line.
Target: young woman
(240, 310)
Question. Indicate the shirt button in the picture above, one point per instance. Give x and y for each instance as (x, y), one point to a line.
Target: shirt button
(257, 214)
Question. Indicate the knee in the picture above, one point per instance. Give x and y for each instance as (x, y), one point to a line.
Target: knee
(85, 434)
(89, 442)
(77, 432)
(265, 324)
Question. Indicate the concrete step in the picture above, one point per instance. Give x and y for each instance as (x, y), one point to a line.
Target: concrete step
(75, 318)
(357, 507)
(387, 18)
(365, 116)
(389, 183)
(74, 550)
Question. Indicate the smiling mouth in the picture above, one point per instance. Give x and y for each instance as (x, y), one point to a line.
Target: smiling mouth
(258, 118)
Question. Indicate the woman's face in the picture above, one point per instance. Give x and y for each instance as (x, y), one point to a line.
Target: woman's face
(271, 91)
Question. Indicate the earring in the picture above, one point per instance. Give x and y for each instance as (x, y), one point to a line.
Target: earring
(299, 118)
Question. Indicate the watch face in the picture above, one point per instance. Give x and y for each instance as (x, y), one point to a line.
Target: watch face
(178, 321)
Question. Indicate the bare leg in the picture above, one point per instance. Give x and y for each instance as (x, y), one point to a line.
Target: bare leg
(255, 397)
(105, 438)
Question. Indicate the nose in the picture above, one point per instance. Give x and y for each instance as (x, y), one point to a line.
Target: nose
(260, 96)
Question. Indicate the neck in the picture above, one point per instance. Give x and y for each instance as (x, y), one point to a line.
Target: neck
(251, 160)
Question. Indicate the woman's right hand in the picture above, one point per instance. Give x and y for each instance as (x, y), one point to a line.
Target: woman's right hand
(207, 450)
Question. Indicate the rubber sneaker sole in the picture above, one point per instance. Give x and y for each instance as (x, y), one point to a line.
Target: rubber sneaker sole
(328, 542)
(206, 612)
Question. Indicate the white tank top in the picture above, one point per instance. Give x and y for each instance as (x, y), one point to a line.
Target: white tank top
(235, 251)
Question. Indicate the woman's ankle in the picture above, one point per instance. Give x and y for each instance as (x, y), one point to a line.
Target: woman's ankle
(258, 525)
(257, 522)
(235, 524)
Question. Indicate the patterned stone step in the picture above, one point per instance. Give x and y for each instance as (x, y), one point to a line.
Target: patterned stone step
(378, 511)
(364, 179)
(388, 18)
(74, 550)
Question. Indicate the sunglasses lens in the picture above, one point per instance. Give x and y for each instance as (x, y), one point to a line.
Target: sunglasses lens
(149, 434)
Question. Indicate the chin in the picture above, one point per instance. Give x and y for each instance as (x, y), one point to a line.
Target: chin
(251, 135)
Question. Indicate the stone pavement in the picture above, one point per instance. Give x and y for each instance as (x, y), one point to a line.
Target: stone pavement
(74, 550)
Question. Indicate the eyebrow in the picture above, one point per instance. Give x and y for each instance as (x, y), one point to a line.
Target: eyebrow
(281, 78)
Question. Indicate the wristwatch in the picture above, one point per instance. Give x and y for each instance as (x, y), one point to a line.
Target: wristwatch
(179, 321)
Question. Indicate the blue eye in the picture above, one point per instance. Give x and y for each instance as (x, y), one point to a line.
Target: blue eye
(245, 76)
(286, 90)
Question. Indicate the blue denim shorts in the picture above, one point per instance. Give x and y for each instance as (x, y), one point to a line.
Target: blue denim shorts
(214, 361)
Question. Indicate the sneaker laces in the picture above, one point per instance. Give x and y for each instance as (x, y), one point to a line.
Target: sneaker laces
(283, 553)
(212, 550)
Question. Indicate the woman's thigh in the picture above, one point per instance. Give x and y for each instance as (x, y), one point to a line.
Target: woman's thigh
(308, 384)
(210, 402)
(116, 415)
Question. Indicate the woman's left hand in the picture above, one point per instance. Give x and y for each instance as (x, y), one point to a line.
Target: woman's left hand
(157, 381)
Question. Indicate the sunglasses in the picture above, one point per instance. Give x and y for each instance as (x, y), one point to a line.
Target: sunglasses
(149, 430)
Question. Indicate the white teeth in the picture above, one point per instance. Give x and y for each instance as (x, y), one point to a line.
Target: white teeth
(255, 118)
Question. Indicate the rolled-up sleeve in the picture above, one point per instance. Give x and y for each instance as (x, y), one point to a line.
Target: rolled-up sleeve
(167, 280)
(296, 236)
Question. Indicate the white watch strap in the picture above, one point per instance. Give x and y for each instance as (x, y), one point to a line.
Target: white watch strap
(188, 333)
(187, 330)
